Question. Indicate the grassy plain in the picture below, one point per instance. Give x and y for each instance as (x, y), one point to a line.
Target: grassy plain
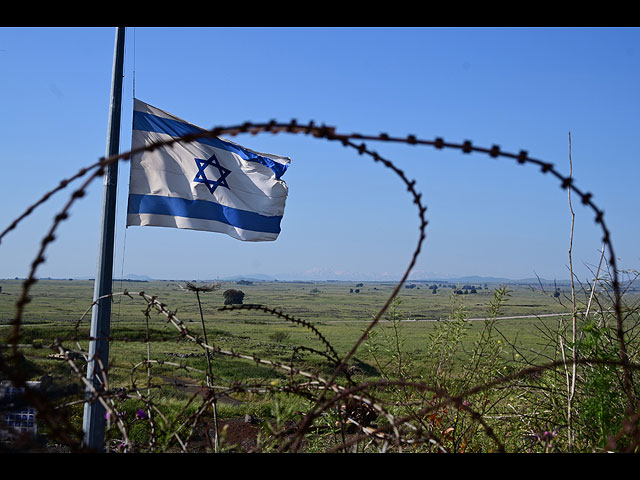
(526, 324)
(57, 308)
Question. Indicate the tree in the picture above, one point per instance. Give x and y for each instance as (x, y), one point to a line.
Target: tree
(233, 297)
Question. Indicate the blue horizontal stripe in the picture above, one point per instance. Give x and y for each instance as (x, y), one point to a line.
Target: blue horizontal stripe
(180, 207)
(152, 123)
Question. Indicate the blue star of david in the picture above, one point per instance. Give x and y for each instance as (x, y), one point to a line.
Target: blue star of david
(211, 184)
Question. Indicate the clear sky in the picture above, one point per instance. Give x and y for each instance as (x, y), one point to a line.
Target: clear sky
(346, 217)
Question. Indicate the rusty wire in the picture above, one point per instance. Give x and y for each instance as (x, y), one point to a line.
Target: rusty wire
(325, 386)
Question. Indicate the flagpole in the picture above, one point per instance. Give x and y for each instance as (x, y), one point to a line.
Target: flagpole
(94, 419)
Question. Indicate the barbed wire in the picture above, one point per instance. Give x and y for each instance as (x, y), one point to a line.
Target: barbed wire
(324, 386)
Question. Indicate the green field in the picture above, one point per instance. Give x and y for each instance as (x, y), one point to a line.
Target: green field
(424, 337)
(57, 309)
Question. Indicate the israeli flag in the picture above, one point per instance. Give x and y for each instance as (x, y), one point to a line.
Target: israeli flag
(210, 184)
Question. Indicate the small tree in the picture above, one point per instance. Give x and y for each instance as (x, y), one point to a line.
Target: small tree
(233, 297)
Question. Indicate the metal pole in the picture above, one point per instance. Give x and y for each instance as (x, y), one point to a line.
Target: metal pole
(94, 420)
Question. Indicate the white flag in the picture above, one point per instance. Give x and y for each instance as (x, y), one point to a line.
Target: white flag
(210, 184)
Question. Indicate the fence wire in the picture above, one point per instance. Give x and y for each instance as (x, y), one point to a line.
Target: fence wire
(355, 403)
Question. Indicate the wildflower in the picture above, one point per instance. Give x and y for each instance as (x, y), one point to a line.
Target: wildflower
(548, 436)
(114, 417)
(141, 415)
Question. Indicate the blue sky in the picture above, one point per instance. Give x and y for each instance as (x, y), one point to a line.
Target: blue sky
(346, 217)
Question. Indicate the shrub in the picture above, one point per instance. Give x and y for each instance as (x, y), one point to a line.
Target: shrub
(233, 297)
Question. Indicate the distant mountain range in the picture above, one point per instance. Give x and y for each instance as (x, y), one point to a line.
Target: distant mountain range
(260, 277)
(329, 276)
(479, 279)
